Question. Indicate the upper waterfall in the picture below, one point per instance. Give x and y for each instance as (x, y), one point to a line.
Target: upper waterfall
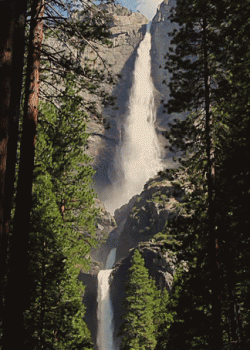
(137, 156)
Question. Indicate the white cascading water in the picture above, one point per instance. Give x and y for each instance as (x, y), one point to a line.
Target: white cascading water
(137, 160)
(105, 312)
(137, 157)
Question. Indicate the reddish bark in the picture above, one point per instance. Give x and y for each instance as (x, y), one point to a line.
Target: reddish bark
(16, 91)
(16, 12)
(7, 24)
(15, 306)
(27, 150)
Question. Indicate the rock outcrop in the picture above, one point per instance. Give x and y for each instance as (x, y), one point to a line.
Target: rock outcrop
(127, 28)
(148, 215)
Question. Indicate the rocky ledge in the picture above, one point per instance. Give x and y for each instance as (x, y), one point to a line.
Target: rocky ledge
(147, 214)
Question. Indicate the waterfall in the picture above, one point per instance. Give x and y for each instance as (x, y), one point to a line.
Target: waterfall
(137, 159)
(105, 312)
(137, 156)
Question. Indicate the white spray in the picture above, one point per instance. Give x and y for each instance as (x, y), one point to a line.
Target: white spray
(137, 157)
(105, 312)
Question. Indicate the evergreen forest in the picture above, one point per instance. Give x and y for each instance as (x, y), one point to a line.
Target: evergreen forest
(47, 204)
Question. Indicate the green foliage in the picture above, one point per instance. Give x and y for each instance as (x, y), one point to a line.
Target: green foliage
(208, 79)
(62, 222)
(74, 34)
(142, 305)
(62, 231)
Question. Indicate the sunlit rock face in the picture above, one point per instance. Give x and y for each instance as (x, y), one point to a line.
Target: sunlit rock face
(127, 31)
(161, 42)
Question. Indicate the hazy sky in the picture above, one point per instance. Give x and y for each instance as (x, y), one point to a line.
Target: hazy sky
(147, 7)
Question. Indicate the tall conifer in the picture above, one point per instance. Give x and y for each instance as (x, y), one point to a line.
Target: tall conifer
(62, 228)
(142, 303)
(193, 62)
(207, 72)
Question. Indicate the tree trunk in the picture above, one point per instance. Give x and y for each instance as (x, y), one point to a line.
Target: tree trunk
(7, 25)
(18, 275)
(18, 11)
(213, 232)
(16, 91)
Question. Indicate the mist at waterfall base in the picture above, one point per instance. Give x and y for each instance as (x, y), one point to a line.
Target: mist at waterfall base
(105, 312)
(138, 155)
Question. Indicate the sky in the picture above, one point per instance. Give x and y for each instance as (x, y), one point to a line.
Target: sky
(146, 7)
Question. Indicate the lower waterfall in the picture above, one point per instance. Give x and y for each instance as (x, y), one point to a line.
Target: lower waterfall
(105, 312)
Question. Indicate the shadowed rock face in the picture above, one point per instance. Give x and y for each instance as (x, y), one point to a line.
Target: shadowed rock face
(147, 216)
(90, 300)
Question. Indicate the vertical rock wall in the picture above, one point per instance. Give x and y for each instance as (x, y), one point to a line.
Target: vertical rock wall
(161, 42)
(160, 29)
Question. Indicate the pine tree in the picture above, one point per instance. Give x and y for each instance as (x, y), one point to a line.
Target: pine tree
(11, 67)
(142, 303)
(193, 89)
(62, 231)
(233, 183)
(207, 71)
(71, 194)
(13, 309)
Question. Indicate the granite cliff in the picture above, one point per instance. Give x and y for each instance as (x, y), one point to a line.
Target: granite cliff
(127, 30)
(136, 223)
(160, 29)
